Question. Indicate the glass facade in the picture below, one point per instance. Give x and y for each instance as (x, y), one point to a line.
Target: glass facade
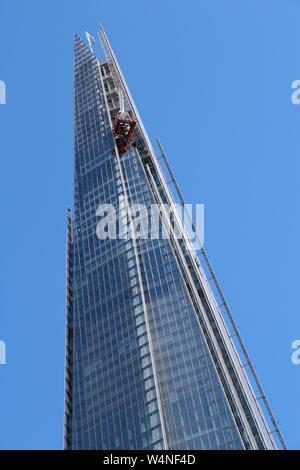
(143, 369)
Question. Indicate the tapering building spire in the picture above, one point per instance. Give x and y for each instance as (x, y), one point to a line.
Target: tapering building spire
(150, 363)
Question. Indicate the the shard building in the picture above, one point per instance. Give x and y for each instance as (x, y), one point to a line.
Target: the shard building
(153, 357)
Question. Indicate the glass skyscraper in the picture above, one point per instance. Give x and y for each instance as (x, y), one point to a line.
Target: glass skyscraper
(150, 360)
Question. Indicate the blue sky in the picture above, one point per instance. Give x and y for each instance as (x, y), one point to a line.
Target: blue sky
(212, 79)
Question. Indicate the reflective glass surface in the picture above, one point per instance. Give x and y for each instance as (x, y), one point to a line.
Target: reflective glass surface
(142, 376)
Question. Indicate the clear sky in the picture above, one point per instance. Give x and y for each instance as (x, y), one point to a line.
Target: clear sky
(212, 79)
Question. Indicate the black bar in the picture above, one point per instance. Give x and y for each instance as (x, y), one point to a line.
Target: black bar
(134, 459)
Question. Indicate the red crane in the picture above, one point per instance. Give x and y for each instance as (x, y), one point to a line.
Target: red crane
(123, 130)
